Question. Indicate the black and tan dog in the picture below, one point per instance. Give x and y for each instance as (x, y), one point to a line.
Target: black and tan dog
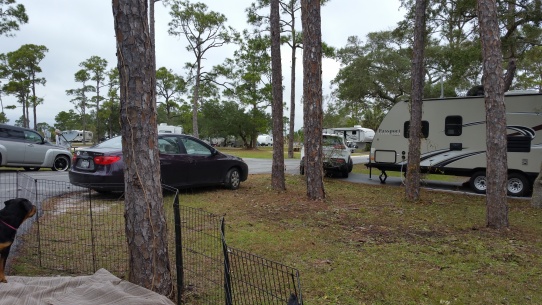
(11, 217)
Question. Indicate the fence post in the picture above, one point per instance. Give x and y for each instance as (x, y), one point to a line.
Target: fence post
(92, 237)
(178, 250)
(39, 208)
(227, 277)
(17, 185)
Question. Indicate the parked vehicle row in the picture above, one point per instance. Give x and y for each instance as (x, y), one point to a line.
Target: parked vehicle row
(185, 162)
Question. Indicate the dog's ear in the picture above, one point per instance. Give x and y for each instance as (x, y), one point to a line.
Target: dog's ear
(7, 203)
(27, 204)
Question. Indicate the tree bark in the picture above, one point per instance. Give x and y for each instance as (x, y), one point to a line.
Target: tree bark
(497, 166)
(536, 200)
(412, 188)
(312, 97)
(292, 108)
(292, 90)
(145, 220)
(277, 170)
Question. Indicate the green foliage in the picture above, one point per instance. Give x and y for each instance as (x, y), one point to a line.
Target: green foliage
(21, 68)
(12, 15)
(3, 118)
(169, 88)
(376, 72)
(204, 30)
(222, 119)
(531, 76)
(68, 120)
(248, 81)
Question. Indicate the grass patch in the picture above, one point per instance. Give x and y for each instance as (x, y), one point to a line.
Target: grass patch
(261, 152)
(366, 245)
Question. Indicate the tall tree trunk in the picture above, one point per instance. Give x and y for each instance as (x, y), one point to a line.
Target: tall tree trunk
(511, 43)
(312, 97)
(536, 200)
(412, 188)
(292, 94)
(98, 128)
(145, 220)
(497, 166)
(153, 45)
(277, 170)
(195, 131)
(34, 103)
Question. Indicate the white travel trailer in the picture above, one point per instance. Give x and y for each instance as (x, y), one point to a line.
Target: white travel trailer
(77, 135)
(454, 140)
(165, 128)
(356, 134)
(265, 140)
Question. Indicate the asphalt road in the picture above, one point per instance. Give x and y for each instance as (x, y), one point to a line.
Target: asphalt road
(262, 166)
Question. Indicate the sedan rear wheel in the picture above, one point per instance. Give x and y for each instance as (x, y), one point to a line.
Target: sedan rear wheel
(62, 163)
(233, 179)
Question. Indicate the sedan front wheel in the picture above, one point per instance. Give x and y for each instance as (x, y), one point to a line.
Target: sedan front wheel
(233, 179)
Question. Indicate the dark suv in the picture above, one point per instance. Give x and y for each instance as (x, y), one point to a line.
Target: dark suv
(22, 147)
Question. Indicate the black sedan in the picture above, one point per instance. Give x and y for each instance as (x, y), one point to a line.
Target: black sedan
(185, 162)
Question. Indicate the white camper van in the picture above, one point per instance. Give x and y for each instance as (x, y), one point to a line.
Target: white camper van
(78, 135)
(356, 134)
(165, 128)
(265, 140)
(454, 140)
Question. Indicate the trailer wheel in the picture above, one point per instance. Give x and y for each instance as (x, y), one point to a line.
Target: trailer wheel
(517, 185)
(478, 182)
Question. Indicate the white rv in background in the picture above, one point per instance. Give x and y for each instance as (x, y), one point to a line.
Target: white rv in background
(357, 134)
(165, 128)
(265, 140)
(454, 140)
(77, 135)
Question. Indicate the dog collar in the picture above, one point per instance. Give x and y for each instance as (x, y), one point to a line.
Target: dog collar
(8, 225)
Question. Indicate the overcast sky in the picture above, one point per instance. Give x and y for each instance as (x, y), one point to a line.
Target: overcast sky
(75, 30)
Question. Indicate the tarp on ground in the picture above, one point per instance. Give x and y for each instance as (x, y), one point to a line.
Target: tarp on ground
(100, 288)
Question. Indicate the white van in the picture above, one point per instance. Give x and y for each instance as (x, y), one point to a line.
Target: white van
(454, 140)
(265, 140)
(78, 135)
(165, 128)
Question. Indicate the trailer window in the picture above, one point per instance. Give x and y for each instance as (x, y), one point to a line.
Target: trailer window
(425, 129)
(453, 125)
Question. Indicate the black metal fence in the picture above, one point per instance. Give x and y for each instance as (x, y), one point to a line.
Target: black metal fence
(78, 231)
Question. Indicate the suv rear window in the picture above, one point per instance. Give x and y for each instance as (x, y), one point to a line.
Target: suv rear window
(331, 141)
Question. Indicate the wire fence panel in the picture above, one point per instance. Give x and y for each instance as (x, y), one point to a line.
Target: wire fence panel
(9, 185)
(202, 259)
(83, 225)
(256, 280)
(79, 231)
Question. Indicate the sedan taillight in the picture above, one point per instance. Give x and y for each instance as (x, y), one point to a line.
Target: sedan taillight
(106, 160)
(339, 146)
